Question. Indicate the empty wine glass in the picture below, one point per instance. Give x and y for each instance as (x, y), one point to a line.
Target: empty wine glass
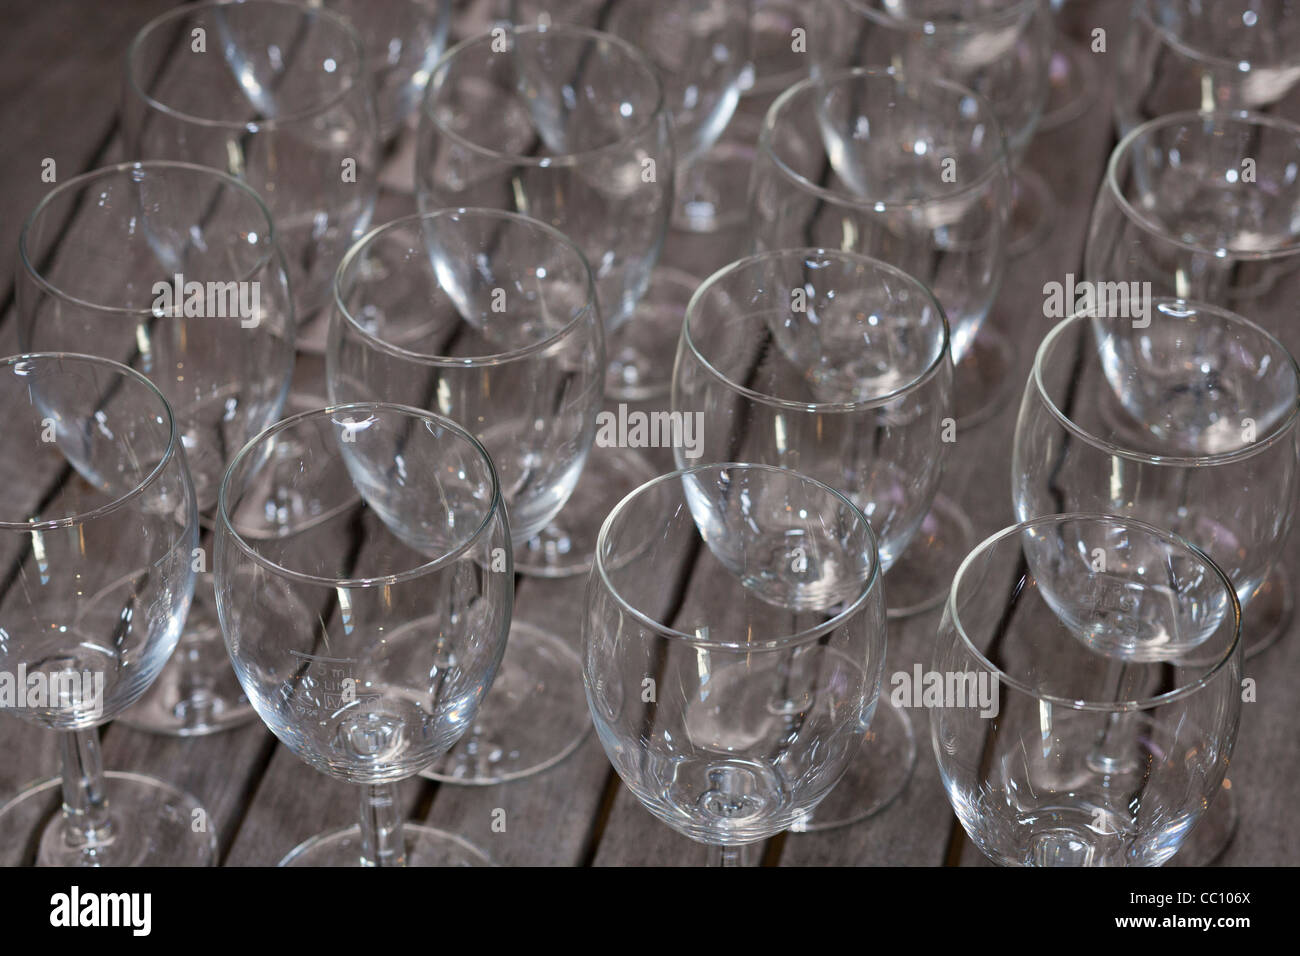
(1206, 207)
(569, 126)
(489, 318)
(1090, 668)
(835, 366)
(279, 95)
(830, 173)
(1227, 55)
(732, 711)
(174, 270)
(98, 531)
(701, 50)
(1002, 49)
(1186, 419)
(403, 39)
(365, 586)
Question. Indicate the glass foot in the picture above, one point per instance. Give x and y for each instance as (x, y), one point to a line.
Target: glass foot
(1268, 615)
(1213, 832)
(197, 692)
(566, 546)
(534, 716)
(425, 846)
(1032, 213)
(643, 349)
(1073, 85)
(983, 379)
(921, 577)
(154, 825)
(876, 776)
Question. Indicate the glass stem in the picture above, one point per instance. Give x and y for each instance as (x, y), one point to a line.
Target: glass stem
(86, 820)
(728, 855)
(382, 843)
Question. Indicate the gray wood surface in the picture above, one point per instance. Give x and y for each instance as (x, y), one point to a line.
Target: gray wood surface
(58, 98)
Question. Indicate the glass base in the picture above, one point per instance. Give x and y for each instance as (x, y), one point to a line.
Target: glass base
(155, 824)
(1032, 213)
(1268, 615)
(566, 546)
(1213, 832)
(425, 846)
(876, 776)
(921, 577)
(1073, 85)
(534, 716)
(197, 692)
(984, 377)
(643, 349)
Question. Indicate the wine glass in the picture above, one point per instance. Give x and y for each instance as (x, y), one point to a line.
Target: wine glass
(279, 95)
(569, 126)
(174, 270)
(1091, 672)
(1206, 207)
(98, 530)
(1002, 49)
(701, 50)
(364, 585)
(1226, 55)
(835, 366)
(731, 712)
(830, 173)
(403, 39)
(1186, 420)
(490, 319)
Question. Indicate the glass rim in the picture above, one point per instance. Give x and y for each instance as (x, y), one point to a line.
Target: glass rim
(986, 547)
(359, 247)
(1185, 118)
(495, 506)
(437, 77)
(999, 163)
(921, 379)
(850, 610)
(1276, 434)
(354, 77)
(1175, 41)
(169, 453)
(34, 273)
(967, 24)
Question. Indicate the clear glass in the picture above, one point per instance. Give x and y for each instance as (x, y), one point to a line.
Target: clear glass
(1226, 55)
(835, 366)
(569, 126)
(97, 534)
(700, 48)
(566, 125)
(489, 318)
(279, 95)
(403, 40)
(1002, 49)
(1087, 691)
(830, 173)
(365, 587)
(174, 270)
(733, 710)
(1187, 421)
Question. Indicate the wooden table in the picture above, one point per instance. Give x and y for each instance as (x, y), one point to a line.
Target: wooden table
(58, 99)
